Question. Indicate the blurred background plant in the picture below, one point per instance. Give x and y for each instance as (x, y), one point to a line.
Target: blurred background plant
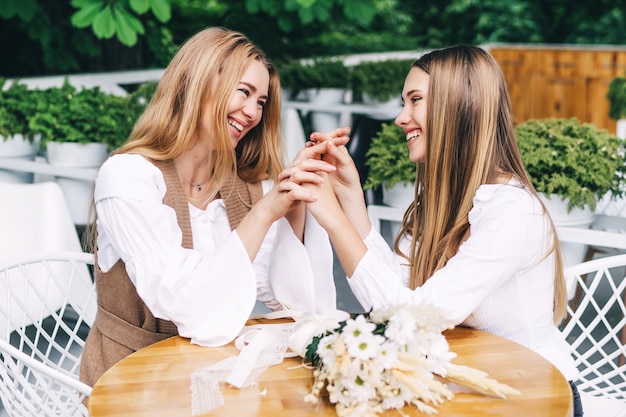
(44, 37)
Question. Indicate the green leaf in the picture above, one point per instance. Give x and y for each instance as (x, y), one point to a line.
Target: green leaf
(25, 9)
(161, 10)
(361, 10)
(285, 24)
(253, 6)
(140, 6)
(125, 32)
(134, 23)
(306, 3)
(85, 3)
(306, 16)
(86, 15)
(104, 24)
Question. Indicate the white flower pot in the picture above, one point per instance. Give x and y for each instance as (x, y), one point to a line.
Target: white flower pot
(78, 155)
(400, 195)
(325, 121)
(17, 147)
(573, 253)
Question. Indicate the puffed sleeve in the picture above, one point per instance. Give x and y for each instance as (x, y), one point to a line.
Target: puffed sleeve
(208, 295)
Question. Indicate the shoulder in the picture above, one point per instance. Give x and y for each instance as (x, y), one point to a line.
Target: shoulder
(507, 202)
(123, 164)
(129, 175)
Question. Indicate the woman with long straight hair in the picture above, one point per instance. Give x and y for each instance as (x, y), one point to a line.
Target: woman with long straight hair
(476, 241)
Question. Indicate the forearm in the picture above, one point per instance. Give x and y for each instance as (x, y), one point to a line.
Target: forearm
(353, 205)
(253, 228)
(296, 219)
(347, 242)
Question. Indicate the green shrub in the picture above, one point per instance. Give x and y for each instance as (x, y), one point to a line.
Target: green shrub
(574, 160)
(381, 80)
(617, 98)
(18, 104)
(388, 159)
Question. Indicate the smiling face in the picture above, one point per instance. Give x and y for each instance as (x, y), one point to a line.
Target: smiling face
(246, 105)
(412, 117)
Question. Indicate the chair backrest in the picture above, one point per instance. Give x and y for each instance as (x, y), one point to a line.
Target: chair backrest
(596, 325)
(47, 307)
(35, 218)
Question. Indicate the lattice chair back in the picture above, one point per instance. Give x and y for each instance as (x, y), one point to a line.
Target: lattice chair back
(47, 307)
(608, 206)
(596, 330)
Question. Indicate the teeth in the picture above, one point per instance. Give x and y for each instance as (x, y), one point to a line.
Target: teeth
(235, 125)
(412, 134)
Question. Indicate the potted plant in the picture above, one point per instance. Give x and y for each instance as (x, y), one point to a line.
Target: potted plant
(380, 82)
(17, 104)
(86, 116)
(326, 81)
(78, 129)
(324, 73)
(292, 73)
(389, 166)
(576, 161)
(617, 104)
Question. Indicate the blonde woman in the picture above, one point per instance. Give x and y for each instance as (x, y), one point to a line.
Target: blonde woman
(476, 240)
(196, 218)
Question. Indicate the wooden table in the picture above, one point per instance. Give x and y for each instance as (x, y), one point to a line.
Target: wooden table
(155, 381)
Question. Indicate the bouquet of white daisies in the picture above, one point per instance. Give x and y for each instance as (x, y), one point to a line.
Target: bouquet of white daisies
(390, 358)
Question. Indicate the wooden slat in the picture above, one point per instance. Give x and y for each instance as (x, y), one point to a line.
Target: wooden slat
(561, 82)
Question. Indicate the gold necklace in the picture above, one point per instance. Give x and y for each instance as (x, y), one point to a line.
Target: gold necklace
(197, 186)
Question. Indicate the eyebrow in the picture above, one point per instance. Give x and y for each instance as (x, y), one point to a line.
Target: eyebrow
(252, 87)
(415, 90)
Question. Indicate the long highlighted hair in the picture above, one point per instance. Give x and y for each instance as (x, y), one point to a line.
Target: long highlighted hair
(471, 141)
(203, 76)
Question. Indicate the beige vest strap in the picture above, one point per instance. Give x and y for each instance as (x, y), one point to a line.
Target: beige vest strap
(239, 196)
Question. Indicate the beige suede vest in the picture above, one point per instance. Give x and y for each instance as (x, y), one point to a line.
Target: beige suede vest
(124, 324)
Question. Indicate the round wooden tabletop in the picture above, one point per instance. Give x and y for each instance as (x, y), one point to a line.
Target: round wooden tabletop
(156, 381)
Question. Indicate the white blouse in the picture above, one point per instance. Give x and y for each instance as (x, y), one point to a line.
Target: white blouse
(499, 281)
(208, 291)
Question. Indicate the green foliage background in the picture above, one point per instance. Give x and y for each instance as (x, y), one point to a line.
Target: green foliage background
(575, 160)
(45, 37)
(388, 159)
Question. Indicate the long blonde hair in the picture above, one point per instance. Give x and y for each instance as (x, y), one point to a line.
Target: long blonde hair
(206, 70)
(203, 76)
(471, 141)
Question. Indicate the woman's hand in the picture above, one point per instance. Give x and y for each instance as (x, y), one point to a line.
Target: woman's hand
(291, 195)
(346, 180)
(285, 199)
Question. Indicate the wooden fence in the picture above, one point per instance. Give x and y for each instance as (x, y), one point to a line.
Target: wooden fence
(561, 81)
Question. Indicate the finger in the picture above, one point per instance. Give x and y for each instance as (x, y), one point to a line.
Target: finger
(306, 164)
(296, 192)
(310, 151)
(321, 137)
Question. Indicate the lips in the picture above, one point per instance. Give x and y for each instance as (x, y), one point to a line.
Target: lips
(413, 134)
(236, 125)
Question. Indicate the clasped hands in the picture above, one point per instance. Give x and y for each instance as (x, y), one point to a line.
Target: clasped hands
(322, 174)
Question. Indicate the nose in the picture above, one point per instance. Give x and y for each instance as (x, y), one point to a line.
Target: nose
(403, 117)
(251, 109)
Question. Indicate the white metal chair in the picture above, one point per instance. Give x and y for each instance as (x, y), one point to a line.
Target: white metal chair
(610, 217)
(595, 329)
(47, 306)
(35, 218)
